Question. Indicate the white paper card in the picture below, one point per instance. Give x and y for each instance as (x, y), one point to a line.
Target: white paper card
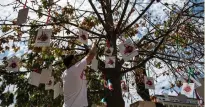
(22, 16)
(13, 64)
(108, 51)
(43, 38)
(149, 82)
(197, 84)
(49, 85)
(94, 64)
(45, 76)
(83, 36)
(34, 79)
(124, 87)
(57, 90)
(128, 50)
(61, 90)
(187, 89)
(110, 62)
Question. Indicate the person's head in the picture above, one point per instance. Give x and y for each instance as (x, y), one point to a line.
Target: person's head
(68, 60)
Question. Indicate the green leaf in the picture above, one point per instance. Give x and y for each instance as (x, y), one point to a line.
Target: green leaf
(5, 28)
(158, 65)
(40, 12)
(7, 99)
(45, 4)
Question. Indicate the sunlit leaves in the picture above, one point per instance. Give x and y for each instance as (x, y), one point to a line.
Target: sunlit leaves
(132, 31)
(45, 4)
(37, 49)
(5, 28)
(162, 47)
(56, 30)
(89, 22)
(68, 10)
(157, 34)
(15, 48)
(57, 52)
(172, 85)
(157, 65)
(39, 12)
(178, 83)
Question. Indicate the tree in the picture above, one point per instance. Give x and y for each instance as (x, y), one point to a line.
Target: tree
(177, 41)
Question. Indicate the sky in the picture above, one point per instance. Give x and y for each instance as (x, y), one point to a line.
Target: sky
(156, 10)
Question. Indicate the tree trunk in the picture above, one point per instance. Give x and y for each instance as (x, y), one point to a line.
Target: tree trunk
(114, 98)
(139, 79)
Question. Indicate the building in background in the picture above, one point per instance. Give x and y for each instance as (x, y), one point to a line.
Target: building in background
(172, 101)
(162, 101)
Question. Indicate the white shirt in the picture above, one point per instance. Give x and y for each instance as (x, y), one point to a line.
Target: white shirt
(74, 87)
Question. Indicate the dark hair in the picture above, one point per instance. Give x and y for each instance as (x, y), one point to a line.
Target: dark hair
(67, 60)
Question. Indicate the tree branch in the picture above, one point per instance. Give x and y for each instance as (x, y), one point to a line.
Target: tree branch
(122, 15)
(97, 13)
(130, 25)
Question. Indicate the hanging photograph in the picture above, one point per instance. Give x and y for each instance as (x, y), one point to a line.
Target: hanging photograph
(83, 36)
(108, 51)
(110, 62)
(127, 50)
(45, 75)
(22, 16)
(187, 89)
(43, 38)
(49, 85)
(149, 82)
(13, 64)
(124, 87)
(34, 79)
(57, 90)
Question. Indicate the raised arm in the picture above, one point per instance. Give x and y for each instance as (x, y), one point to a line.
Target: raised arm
(91, 53)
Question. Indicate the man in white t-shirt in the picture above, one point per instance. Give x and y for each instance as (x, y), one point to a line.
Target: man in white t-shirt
(74, 80)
